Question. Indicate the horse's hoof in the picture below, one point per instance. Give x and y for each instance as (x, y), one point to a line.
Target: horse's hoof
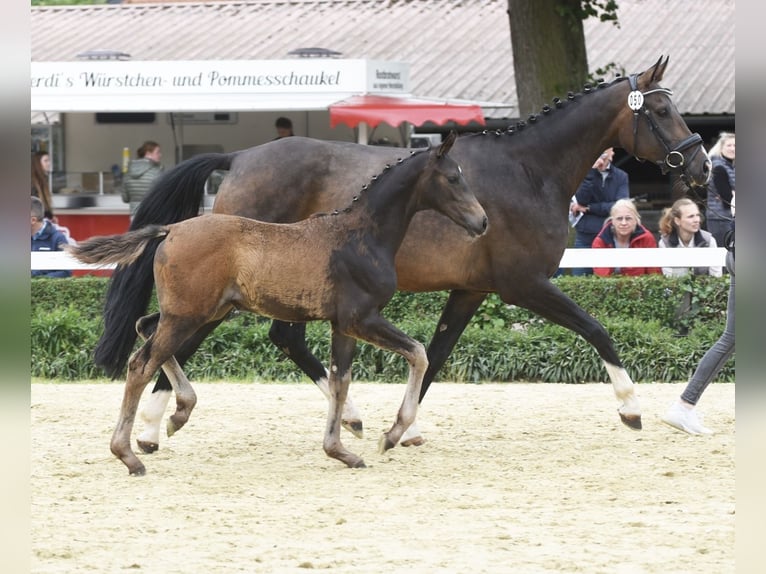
(413, 441)
(358, 464)
(385, 444)
(355, 427)
(147, 447)
(632, 421)
(139, 470)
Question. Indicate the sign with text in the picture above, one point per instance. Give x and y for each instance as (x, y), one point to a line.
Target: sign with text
(311, 83)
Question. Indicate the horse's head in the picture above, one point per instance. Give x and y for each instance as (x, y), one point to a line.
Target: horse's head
(446, 190)
(651, 128)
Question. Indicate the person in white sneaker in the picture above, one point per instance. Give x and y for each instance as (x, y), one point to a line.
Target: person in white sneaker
(682, 414)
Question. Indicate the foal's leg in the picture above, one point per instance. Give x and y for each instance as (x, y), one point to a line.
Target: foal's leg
(157, 402)
(290, 338)
(460, 308)
(340, 377)
(142, 365)
(547, 300)
(376, 330)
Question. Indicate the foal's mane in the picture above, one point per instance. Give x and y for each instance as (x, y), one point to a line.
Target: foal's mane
(375, 180)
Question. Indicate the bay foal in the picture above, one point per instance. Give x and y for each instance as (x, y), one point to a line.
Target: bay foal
(337, 267)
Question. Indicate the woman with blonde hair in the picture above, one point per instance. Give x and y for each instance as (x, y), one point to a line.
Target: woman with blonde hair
(680, 227)
(623, 229)
(41, 166)
(720, 189)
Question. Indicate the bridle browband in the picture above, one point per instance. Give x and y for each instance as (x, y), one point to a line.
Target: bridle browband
(674, 158)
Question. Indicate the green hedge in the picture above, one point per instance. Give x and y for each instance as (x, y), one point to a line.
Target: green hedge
(502, 343)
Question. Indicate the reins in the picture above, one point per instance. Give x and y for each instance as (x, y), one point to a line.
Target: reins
(674, 158)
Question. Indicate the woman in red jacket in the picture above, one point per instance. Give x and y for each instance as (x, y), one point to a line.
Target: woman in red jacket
(623, 229)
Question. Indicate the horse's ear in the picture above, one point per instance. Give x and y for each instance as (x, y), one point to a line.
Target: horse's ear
(659, 69)
(447, 144)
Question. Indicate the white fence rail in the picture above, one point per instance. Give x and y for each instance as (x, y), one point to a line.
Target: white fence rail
(637, 257)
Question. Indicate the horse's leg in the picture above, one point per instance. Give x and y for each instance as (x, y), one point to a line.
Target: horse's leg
(290, 338)
(340, 377)
(460, 308)
(548, 301)
(157, 402)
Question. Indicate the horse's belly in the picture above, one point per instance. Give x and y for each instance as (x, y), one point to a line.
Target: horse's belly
(442, 261)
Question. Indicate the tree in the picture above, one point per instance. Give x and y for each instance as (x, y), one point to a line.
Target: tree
(548, 44)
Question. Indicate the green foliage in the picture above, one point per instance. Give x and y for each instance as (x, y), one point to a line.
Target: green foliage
(61, 343)
(502, 342)
(604, 10)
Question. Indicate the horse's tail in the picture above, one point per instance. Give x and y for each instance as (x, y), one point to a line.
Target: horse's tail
(121, 249)
(174, 196)
(177, 193)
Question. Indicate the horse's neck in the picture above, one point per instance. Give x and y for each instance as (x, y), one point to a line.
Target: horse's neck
(571, 138)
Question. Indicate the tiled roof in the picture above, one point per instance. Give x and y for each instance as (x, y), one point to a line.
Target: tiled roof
(457, 49)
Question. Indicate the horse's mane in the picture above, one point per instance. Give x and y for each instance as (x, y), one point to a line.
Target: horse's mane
(374, 181)
(546, 109)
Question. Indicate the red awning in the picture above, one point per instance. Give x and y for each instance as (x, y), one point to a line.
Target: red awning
(375, 109)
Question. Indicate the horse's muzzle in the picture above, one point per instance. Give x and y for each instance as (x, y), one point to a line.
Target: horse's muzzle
(480, 229)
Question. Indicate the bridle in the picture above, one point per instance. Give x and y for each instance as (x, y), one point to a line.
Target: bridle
(674, 158)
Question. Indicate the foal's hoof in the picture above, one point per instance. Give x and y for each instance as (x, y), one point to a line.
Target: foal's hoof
(176, 422)
(385, 444)
(147, 447)
(355, 427)
(632, 421)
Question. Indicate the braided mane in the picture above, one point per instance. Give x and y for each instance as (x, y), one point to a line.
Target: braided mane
(546, 109)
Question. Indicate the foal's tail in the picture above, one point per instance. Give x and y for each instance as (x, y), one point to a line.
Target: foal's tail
(121, 249)
(174, 196)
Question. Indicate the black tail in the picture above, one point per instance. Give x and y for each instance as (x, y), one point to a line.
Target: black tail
(174, 196)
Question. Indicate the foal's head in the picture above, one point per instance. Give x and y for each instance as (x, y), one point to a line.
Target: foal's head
(442, 187)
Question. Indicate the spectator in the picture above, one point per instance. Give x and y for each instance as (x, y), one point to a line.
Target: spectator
(141, 173)
(680, 227)
(682, 414)
(720, 190)
(45, 237)
(41, 167)
(284, 127)
(601, 188)
(623, 229)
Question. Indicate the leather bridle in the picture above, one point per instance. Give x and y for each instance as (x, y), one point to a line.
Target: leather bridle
(674, 158)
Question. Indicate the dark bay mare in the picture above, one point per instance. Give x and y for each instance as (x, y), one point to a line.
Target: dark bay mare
(523, 176)
(336, 267)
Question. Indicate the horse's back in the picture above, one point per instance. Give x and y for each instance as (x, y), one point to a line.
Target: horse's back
(292, 178)
(289, 179)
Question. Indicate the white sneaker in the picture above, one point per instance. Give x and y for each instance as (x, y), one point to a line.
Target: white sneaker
(684, 419)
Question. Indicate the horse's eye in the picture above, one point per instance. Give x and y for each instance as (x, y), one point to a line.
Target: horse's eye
(663, 112)
(453, 179)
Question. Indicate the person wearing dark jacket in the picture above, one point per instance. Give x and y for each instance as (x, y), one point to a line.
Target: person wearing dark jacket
(623, 229)
(46, 237)
(721, 187)
(141, 174)
(602, 187)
